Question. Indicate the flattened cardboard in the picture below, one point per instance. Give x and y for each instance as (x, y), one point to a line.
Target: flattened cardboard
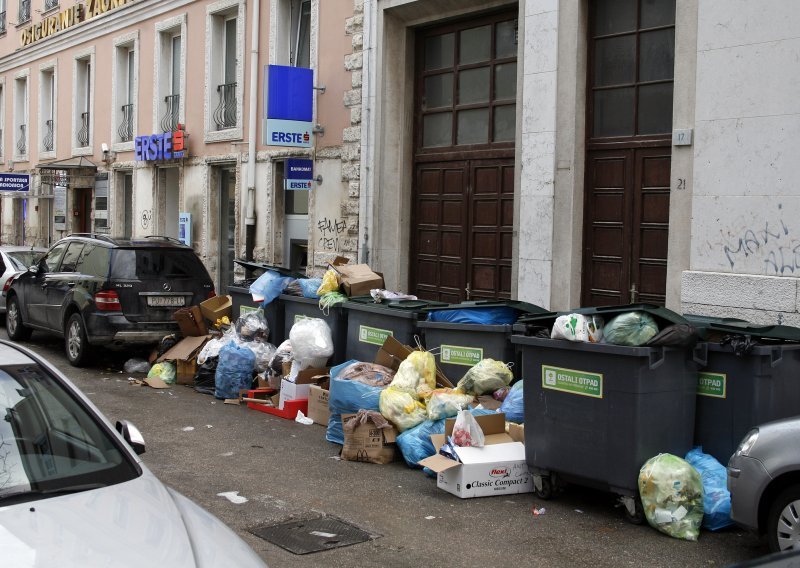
(155, 382)
(318, 404)
(392, 353)
(185, 349)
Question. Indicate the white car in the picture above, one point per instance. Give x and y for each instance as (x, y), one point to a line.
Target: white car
(14, 260)
(73, 491)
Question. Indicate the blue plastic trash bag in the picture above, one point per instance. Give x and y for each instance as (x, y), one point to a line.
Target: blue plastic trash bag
(716, 497)
(234, 371)
(309, 286)
(269, 285)
(483, 316)
(513, 405)
(345, 397)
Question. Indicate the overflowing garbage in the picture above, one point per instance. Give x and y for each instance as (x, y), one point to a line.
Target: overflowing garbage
(465, 427)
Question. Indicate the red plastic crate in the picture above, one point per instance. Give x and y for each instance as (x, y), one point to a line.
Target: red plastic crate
(290, 407)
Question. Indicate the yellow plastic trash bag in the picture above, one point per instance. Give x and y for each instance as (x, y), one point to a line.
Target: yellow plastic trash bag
(330, 283)
(445, 403)
(485, 376)
(416, 374)
(401, 408)
(672, 496)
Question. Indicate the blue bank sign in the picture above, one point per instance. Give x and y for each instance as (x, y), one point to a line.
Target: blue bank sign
(18, 183)
(156, 147)
(290, 96)
(299, 174)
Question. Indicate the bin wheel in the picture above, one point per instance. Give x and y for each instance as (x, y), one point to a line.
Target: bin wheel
(546, 492)
(638, 517)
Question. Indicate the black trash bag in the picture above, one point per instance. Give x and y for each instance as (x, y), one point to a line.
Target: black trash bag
(167, 343)
(205, 376)
(741, 344)
(677, 335)
(252, 326)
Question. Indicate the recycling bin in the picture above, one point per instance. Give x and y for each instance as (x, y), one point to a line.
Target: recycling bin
(458, 346)
(370, 323)
(737, 392)
(595, 412)
(296, 308)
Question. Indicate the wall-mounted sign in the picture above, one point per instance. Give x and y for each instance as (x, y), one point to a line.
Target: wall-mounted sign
(290, 96)
(15, 182)
(164, 146)
(60, 207)
(68, 18)
(298, 174)
(185, 228)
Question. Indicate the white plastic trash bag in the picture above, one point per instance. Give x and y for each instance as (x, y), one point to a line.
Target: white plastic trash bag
(311, 341)
(578, 327)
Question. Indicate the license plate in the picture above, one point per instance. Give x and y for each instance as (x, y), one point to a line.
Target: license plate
(166, 301)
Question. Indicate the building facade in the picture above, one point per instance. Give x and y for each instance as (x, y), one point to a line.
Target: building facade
(147, 117)
(563, 152)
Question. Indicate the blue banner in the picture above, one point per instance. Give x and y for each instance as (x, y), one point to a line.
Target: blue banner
(15, 182)
(290, 93)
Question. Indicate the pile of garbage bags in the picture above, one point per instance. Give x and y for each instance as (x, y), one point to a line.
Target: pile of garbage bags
(631, 329)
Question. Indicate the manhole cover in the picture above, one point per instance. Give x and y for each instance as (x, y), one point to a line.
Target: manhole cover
(313, 535)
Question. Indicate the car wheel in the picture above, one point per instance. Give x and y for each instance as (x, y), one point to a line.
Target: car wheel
(16, 329)
(75, 343)
(783, 529)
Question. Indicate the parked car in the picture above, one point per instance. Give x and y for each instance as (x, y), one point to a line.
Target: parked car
(13, 260)
(764, 481)
(73, 489)
(96, 290)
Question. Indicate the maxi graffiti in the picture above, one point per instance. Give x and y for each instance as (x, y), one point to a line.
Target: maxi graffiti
(331, 231)
(771, 243)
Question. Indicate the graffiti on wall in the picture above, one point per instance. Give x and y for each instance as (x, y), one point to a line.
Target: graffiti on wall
(770, 242)
(331, 232)
(147, 216)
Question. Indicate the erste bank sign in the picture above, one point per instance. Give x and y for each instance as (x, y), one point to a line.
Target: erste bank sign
(290, 97)
(165, 146)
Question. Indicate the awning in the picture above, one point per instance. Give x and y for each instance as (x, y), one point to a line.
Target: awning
(76, 172)
(68, 164)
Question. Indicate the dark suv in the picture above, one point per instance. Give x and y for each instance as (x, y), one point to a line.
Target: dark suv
(95, 290)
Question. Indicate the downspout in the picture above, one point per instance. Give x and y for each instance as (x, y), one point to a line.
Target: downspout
(367, 106)
(250, 217)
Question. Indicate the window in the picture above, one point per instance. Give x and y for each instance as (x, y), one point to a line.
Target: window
(71, 257)
(101, 224)
(224, 56)
(300, 55)
(170, 73)
(24, 11)
(2, 16)
(52, 258)
(21, 117)
(124, 91)
(94, 261)
(632, 51)
(83, 88)
(47, 109)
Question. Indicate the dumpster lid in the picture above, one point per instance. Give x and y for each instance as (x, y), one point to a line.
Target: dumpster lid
(410, 305)
(663, 316)
(252, 265)
(776, 332)
(703, 323)
(525, 307)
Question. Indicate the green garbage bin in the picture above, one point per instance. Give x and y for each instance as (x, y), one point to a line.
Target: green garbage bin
(370, 323)
(738, 392)
(296, 308)
(595, 413)
(458, 346)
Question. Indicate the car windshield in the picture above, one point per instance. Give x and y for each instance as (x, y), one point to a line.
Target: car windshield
(151, 264)
(50, 444)
(22, 259)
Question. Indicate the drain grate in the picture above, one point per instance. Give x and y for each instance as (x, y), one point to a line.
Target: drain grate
(312, 535)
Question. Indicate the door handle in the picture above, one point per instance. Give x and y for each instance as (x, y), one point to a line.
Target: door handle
(70, 284)
(634, 293)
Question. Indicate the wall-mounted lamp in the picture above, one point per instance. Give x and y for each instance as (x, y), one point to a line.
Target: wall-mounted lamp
(108, 155)
(10, 165)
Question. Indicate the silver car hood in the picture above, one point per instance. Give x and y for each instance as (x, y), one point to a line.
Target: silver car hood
(137, 523)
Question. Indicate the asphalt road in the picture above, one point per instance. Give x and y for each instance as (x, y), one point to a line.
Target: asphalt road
(288, 471)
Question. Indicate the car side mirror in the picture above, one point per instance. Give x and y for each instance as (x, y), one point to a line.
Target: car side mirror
(131, 434)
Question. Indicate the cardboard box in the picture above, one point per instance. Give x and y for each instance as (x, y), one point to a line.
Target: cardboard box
(368, 443)
(318, 404)
(392, 353)
(190, 321)
(499, 468)
(216, 308)
(184, 353)
(299, 388)
(356, 279)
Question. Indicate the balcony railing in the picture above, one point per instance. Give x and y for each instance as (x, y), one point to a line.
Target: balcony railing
(3, 22)
(169, 122)
(83, 133)
(125, 129)
(225, 113)
(50, 4)
(47, 139)
(22, 144)
(24, 10)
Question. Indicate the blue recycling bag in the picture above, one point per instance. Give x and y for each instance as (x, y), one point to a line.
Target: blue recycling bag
(234, 371)
(482, 316)
(716, 497)
(346, 397)
(270, 285)
(513, 406)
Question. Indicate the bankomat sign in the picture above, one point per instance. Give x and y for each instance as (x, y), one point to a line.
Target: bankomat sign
(299, 174)
(290, 95)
